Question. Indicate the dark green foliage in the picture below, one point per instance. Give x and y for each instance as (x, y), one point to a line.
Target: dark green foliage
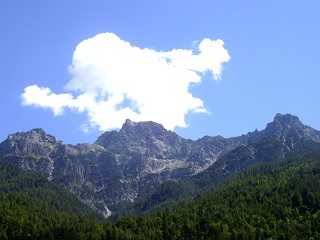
(163, 198)
(33, 208)
(268, 149)
(270, 200)
(279, 200)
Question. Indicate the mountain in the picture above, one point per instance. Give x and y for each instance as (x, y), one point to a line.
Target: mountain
(125, 165)
(270, 200)
(273, 200)
(285, 137)
(34, 208)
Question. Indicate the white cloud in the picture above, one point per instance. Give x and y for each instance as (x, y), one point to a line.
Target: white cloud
(44, 98)
(112, 81)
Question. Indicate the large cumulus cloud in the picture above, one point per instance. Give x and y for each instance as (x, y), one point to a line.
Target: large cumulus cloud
(111, 80)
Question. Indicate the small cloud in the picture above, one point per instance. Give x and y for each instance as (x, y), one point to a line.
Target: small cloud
(44, 98)
(113, 80)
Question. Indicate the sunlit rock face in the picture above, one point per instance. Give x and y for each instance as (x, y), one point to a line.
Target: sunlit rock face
(127, 164)
(34, 142)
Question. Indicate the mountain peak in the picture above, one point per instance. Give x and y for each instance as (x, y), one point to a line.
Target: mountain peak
(287, 126)
(287, 119)
(129, 123)
(33, 142)
(36, 134)
(142, 128)
(146, 134)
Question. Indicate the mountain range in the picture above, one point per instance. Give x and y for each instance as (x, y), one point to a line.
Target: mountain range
(129, 164)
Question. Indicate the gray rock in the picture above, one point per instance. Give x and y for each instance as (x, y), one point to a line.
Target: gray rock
(127, 164)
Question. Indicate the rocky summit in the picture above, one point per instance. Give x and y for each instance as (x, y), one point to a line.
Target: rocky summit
(124, 165)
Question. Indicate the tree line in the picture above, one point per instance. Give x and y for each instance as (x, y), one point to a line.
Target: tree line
(270, 200)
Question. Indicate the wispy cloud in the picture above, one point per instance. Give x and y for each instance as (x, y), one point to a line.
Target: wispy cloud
(113, 80)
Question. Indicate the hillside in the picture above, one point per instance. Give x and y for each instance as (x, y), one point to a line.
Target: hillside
(124, 166)
(267, 150)
(277, 200)
(33, 208)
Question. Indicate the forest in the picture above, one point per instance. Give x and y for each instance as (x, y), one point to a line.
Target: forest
(269, 200)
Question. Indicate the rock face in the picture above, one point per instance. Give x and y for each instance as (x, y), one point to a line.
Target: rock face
(284, 127)
(127, 164)
(34, 142)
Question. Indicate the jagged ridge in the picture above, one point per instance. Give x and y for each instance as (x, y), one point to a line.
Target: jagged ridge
(128, 164)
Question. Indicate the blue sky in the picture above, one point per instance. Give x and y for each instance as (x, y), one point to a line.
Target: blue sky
(91, 64)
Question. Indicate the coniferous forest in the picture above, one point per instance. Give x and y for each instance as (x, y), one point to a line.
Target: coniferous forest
(274, 200)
